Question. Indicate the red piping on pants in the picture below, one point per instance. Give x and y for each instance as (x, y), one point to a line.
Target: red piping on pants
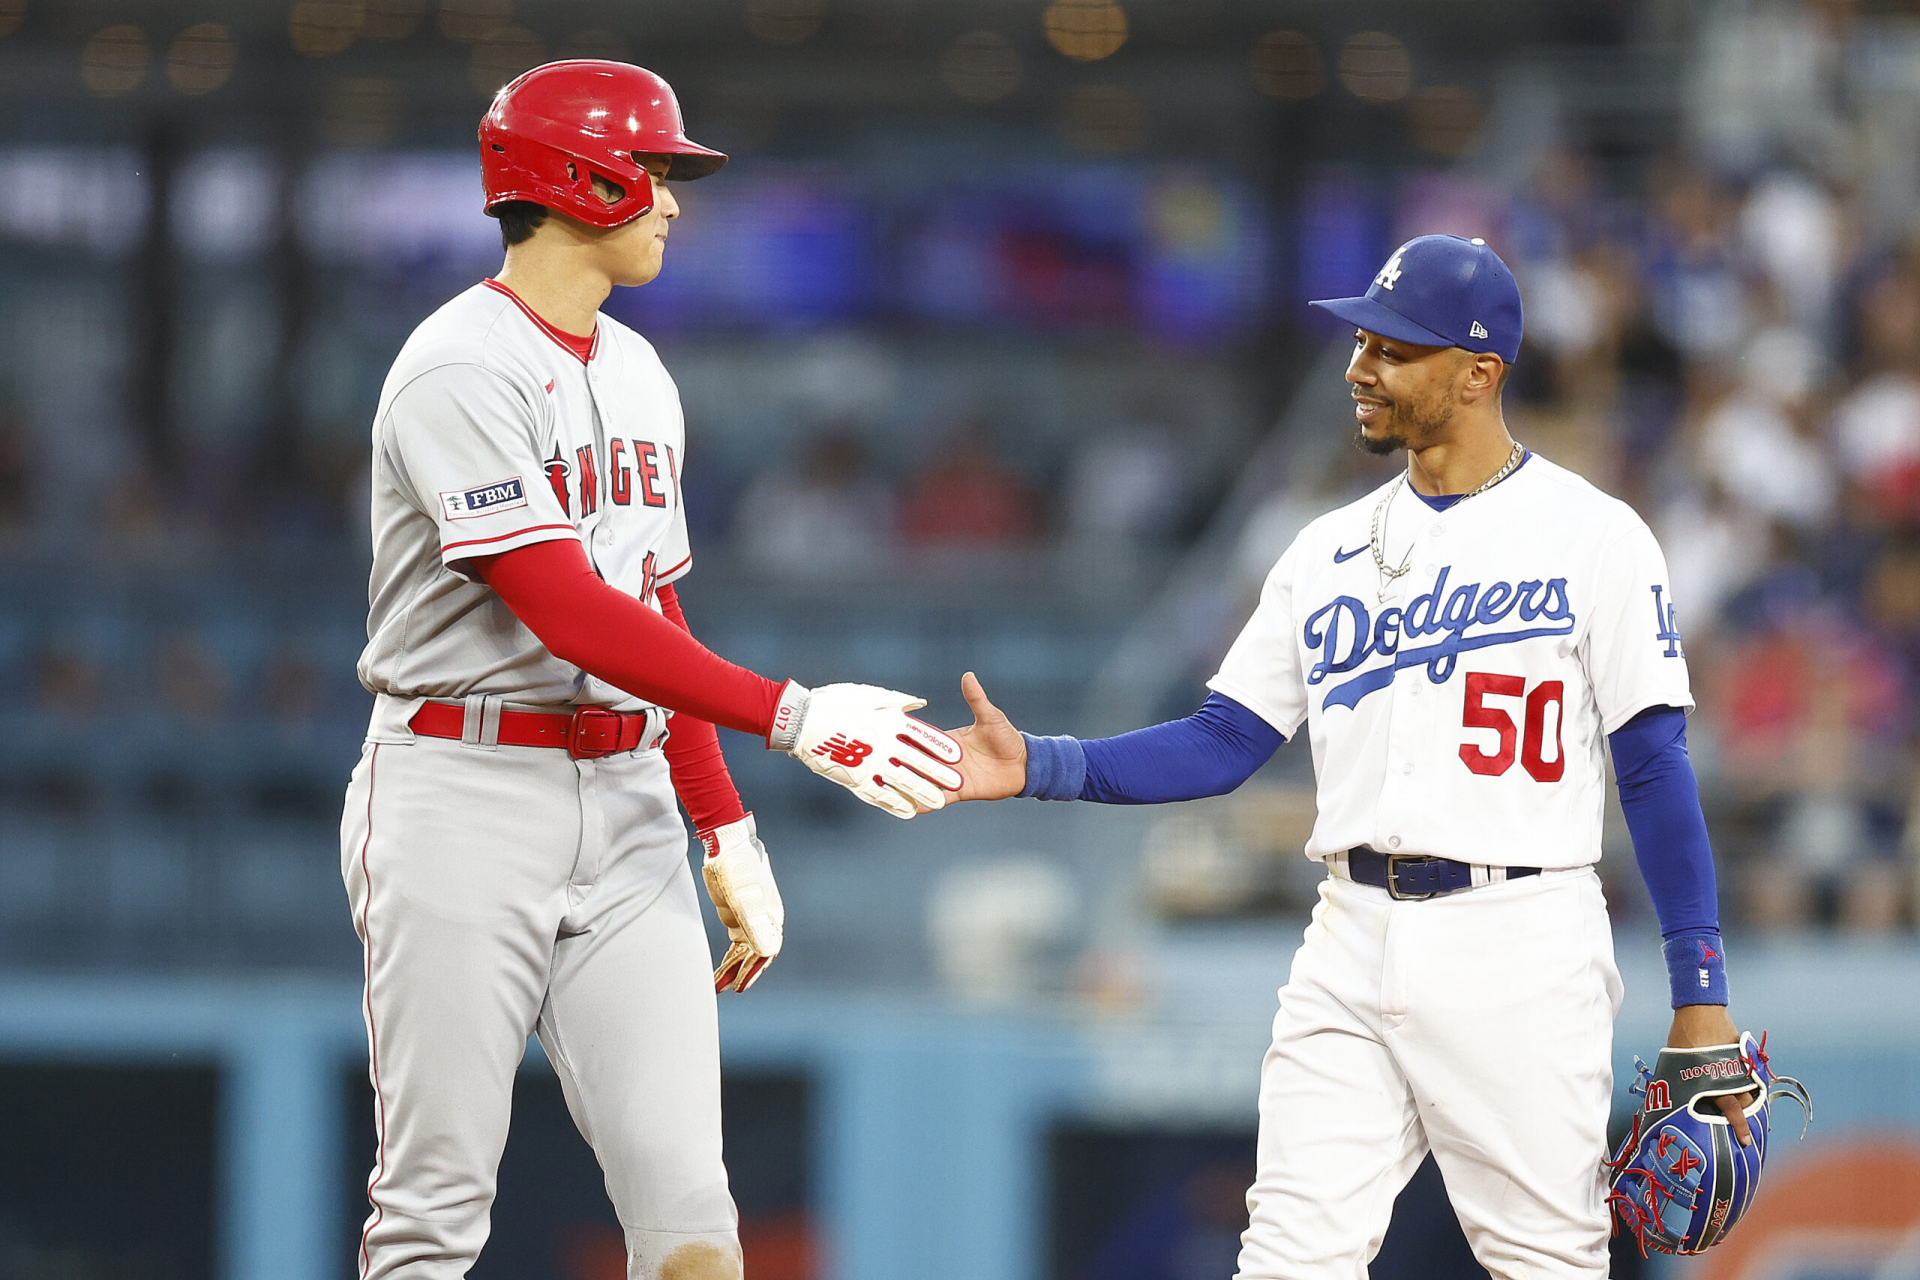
(373, 1040)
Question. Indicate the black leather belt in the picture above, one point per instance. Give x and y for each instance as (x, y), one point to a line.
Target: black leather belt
(1411, 877)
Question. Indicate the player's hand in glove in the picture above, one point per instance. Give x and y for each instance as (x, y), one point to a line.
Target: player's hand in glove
(861, 737)
(995, 763)
(1679, 1181)
(1699, 1026)
(740, 881)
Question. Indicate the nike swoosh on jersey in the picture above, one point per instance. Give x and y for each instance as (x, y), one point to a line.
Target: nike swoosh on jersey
(1341, 557)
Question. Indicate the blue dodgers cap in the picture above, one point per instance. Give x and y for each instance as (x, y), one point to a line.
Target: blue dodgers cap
(1441, 291)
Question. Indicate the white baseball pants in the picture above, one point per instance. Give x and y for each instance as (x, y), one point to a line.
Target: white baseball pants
(1478, 1026)
(499, 891)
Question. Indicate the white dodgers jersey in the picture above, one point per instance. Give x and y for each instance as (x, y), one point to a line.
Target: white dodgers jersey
(1461, 709)
(494, 433)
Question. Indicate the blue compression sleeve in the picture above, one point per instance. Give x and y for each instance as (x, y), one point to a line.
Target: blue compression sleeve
(1661, 799)
(1209, 753)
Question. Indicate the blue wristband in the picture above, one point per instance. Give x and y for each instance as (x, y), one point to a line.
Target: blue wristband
(1056, 768)
(1696, 967)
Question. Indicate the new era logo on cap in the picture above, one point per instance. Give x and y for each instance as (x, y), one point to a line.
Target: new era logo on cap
(1444, 291)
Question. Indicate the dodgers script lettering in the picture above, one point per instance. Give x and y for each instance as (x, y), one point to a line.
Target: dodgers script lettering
(1346, 634)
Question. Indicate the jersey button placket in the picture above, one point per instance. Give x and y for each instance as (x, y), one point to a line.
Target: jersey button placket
(1400, 735)
(1429, 554)
(1406, 730)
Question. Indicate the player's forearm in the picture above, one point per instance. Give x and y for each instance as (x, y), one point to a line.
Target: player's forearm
(1661, 799)
(1208, 753)
(700, 775)
(608, 634)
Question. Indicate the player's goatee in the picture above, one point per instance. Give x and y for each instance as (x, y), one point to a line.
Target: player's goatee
(1380, 446)
(1422, 422)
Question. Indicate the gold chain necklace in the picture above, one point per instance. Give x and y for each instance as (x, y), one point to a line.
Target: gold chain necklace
(1377, 540)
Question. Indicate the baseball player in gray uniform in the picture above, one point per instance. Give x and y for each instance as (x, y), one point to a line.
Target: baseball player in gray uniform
(512, 850)
(1462, 646)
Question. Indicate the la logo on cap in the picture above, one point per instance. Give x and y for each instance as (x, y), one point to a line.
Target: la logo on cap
(1390, 273)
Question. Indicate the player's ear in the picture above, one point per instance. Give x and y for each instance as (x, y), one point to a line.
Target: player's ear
(1483, 377)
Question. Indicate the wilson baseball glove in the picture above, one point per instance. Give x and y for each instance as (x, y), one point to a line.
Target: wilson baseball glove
(1681, 1180)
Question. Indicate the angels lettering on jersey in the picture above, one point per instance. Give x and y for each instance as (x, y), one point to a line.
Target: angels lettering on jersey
(632, 467)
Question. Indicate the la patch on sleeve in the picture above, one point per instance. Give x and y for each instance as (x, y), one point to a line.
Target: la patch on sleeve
(467, 504)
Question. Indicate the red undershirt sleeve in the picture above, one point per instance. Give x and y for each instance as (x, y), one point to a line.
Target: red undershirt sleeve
(607, 633)
(700, 776)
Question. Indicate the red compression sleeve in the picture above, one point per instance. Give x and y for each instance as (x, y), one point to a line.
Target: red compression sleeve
(700, 776)
(607, 633)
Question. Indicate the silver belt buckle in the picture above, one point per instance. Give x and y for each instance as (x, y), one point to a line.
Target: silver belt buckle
(1393, 878)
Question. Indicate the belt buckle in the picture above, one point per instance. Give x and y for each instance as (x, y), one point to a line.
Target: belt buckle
(605, 727)
(1393, 878)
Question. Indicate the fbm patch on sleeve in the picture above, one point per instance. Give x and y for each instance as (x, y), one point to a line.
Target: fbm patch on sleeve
(469, 504)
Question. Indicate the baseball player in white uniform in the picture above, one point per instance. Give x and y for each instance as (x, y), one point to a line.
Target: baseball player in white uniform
(511, 846)
(1461, 645)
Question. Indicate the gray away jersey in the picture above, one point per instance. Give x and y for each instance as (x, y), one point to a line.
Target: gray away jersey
(493, 434)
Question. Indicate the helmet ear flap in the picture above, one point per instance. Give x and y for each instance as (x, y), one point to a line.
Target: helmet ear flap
(587, 202)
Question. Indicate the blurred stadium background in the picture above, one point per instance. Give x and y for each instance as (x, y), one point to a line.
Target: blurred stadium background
(1012, 291)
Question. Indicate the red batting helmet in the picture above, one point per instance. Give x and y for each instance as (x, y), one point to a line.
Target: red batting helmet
(551, 130)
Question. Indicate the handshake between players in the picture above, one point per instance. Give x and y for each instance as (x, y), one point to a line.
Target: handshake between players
(864, 738)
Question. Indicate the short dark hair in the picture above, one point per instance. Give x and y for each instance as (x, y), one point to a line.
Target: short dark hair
(519, 219)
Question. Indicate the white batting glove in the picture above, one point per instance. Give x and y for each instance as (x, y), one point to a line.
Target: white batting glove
(740, 881)
(861, 737)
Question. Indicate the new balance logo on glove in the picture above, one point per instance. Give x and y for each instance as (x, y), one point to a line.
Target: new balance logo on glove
(844, 751)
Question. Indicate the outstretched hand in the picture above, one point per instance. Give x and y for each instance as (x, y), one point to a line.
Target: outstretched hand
(994, 765)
